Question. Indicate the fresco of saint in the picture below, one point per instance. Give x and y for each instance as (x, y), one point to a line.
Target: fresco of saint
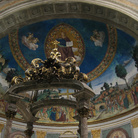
(65, 46)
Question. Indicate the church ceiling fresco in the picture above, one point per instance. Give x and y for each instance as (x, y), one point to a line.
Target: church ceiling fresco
(103, 52)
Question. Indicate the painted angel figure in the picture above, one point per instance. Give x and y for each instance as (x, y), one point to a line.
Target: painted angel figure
(98, 38)
(30, 41)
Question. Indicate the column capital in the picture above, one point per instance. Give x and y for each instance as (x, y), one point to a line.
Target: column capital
(10, 114)
(1, 127)
(41, 134)
(83, 112)
(96, 133)
(134, 122)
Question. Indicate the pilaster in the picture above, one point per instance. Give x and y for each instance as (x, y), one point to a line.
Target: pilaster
(134, 122)
(96, 133)
(41, 134)
(1, 127)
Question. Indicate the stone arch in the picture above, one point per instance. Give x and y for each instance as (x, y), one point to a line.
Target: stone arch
(19, 133)
(68, 134)
(124, 18)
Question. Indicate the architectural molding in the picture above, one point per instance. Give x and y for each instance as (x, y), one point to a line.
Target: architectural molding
(104, 11)
(124, 3)
(68, 134)
(65, 127)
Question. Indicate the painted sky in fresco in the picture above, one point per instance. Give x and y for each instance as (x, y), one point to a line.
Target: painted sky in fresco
(123, 56)
(84, 27)
(93, 54)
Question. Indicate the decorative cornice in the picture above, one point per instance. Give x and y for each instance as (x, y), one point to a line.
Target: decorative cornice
(41, 134)
(30, 12)
(96, 133)
(123, 3)
(134, 122)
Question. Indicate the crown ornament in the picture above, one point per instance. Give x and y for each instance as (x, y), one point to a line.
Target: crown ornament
(52, 68)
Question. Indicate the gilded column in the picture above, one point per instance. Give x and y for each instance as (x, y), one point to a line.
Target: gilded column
(96, 133)
(1, 128)
(40, 134)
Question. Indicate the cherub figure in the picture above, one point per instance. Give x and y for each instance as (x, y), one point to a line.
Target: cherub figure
(30, 41)
(98, 38)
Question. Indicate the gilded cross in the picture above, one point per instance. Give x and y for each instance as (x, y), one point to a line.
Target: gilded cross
(55, 43)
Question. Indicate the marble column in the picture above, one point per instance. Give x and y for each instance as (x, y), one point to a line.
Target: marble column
(1, 128)
(9, 115)
(96, 133)
(83, 99)
(79, 130)
(134, 123)
(83, 113)
(29, 132)
(40, 134)
(77, 117)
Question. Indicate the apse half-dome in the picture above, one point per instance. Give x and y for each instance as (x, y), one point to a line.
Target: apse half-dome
(103, 52)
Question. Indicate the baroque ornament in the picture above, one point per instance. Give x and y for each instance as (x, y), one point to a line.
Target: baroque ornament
(96, 133)
(52, 68)
(40, 134)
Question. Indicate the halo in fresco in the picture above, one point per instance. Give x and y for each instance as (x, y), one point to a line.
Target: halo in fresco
(16, 51)
(71, 42)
